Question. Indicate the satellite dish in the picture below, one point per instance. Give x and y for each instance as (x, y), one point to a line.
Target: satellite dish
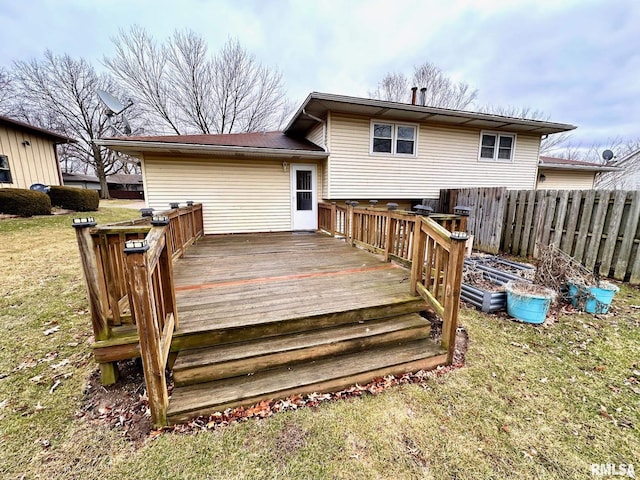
(39, 187)
(607, 155)
(115, 107)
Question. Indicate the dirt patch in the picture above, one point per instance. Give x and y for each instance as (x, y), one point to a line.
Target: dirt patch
(123, 406)
(291, 439)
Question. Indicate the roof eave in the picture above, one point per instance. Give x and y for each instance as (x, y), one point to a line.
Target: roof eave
(539, 127)
(139, 147)
(584, 168)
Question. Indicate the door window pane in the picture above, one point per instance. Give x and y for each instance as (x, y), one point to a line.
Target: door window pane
(303, 180)
(303, 201)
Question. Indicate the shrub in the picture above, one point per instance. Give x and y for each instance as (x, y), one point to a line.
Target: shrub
(77, 199)
(25, 203)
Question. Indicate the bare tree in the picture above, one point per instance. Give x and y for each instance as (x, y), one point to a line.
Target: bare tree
(6, 92)
(184, 89)
(441, 91)
(58, 93)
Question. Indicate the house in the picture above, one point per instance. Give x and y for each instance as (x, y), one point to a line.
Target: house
(336, 148)
(562, 174)
(28, 155)
(121, 185)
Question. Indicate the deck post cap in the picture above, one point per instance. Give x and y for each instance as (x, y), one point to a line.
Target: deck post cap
(174, 205)
(146, 212)
(159, 220)
(355, 203)
(462, 210)
(392, 206)
(459, 236)
(82, 222)
(189, 203)
(136, 246)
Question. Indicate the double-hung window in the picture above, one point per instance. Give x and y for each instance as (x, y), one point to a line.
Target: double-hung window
(393, 138)
(497, 147)
(5, 171)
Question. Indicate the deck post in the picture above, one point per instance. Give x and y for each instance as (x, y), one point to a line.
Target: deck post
(97, 300)
(332, 228)
(351, 225)
(388, 235)
(417, 260)
(150, 347)
(452, 292)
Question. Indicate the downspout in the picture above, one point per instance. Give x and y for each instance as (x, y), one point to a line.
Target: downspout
(324, 127)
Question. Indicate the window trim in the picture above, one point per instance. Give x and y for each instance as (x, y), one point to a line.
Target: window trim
(8, 169)
(495, 158)
(394, 138)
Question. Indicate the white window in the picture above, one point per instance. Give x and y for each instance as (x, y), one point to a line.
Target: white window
(393, 138)
(497, 147)
(5, 171)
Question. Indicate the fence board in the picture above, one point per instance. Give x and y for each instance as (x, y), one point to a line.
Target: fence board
(561, 211)
(628, 236)
(587, 212)
(615, 218)
(548, 216)
(572, 221)
(527, 234)
(599, 217)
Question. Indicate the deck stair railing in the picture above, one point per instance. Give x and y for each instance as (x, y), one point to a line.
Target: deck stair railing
(128, 269)
(432, 245)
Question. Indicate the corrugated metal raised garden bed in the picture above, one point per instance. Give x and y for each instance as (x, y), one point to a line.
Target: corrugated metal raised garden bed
(485, 277)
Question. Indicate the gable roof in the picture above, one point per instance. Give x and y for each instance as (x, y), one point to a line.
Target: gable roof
(56, 137)
(259, 143)
(566, 164)
(318, 104)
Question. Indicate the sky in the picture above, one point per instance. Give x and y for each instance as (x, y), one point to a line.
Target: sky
(577, 61)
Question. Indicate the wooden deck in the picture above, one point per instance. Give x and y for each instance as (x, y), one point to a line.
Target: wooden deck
(243, 318)
(262, 316)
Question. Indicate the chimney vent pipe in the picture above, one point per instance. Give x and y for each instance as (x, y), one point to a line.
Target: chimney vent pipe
(423, 96)
(414, 93)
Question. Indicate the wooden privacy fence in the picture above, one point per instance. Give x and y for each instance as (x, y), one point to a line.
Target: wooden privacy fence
(599, 228)
(433, 247)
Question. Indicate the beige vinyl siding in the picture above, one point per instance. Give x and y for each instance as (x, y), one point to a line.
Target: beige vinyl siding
(447, 157)
(29, 164)
(566, 180)
(316, 135)
(238, 196)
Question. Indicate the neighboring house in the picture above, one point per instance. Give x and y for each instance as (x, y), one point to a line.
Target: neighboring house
(561, 174)
(336, 148)
(120, 185)
(28, 155)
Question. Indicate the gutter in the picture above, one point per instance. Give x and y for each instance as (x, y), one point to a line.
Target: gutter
(585, 168)
(142, 146)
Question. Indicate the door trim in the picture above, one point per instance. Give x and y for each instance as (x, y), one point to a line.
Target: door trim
(314, 192)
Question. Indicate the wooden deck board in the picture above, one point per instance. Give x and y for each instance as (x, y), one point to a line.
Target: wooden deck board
(232, 281)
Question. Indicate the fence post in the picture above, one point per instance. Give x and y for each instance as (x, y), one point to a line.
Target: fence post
(417, 261)
(138, 276)
(452, 293)
(97, 302)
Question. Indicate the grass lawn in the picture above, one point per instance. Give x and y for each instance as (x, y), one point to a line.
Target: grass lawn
(531, 402)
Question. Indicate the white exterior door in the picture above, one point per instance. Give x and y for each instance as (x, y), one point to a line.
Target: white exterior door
(304, 197)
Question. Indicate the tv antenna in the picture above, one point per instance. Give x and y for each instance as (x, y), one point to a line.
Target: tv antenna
(113, 108)
(607, 155)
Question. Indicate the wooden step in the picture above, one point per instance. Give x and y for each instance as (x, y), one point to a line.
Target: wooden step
(230, 360)
(328, 374)
(231, 329)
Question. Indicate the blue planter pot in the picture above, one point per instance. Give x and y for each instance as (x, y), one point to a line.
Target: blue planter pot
(528, 307)
(592, 299)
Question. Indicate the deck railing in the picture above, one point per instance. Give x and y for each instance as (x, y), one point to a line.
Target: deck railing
(153, 304)
(105, 269)
(433, 247)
